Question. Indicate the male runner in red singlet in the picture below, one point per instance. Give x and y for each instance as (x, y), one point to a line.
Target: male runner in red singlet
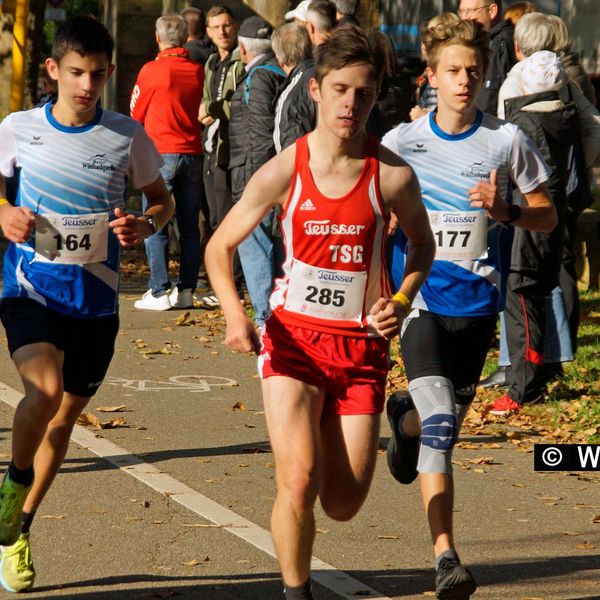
(324, 353)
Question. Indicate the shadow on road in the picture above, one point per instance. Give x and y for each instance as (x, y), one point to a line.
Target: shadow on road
(264, 586)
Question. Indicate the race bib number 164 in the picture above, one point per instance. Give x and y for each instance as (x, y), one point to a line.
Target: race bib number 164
(72, 239)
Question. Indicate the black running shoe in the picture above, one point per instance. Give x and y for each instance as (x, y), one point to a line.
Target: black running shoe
(498, 379)
(402, 453)
(453, 581)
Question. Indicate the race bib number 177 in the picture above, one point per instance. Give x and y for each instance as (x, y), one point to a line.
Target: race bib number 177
(459, 235)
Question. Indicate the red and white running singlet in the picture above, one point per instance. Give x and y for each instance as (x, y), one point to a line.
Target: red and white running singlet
(334, 270)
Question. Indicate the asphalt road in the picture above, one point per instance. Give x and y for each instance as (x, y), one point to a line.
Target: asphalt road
(176, 502)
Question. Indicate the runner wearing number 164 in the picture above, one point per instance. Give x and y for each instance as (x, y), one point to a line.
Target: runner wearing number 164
(61, 269)
(324, 353)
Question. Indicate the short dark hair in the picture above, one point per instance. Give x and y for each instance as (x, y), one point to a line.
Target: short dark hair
(350, 45)
(217, 10)
(82, 34)
(196, 21)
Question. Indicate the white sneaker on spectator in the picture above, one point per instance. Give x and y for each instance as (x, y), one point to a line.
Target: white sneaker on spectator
(150, 302)
(181, 298)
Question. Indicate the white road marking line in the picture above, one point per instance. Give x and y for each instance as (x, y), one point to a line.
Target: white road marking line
(323, 573)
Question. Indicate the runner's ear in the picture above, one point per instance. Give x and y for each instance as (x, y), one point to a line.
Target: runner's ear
(315, 92)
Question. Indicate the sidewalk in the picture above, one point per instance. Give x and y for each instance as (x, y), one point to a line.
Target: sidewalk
(102, 534)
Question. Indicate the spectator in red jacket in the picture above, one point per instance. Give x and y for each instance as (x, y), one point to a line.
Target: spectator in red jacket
(166, 99)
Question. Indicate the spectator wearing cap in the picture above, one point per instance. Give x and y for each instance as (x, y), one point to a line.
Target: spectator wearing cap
(295, 111)
(346, 12)
(198, 46)
(165, 100)
(298, 14)
(251, 146)
(320, 20)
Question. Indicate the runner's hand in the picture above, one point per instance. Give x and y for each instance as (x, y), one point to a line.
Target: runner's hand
(387, 317)
(486, 195)
(129, 229)
(393, 224)
(17, 223)
(241, 335)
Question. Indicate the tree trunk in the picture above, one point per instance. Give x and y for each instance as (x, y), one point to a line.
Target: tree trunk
(35, 46)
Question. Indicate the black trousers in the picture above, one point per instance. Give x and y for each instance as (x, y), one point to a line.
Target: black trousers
(217, 186)
(525, 326)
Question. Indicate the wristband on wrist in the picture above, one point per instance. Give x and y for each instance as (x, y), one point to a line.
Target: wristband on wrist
(403, 300)
(3, 201)
(153, 223)
(514, 213)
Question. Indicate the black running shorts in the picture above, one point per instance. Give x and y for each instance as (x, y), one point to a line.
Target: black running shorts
(451, 347)
(88, 344)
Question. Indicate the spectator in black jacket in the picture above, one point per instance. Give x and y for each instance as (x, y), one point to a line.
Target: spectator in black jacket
(295, 111)
(251, 146)
(548, 116)
(502, 54)
(197, 45)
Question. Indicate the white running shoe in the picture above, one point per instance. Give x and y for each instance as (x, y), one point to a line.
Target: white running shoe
(150, 302)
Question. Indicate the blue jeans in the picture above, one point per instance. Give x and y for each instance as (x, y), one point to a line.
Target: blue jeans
(183, 175)
(260, 255)
(557, 337)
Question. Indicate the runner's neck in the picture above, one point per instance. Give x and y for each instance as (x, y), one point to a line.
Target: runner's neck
(454, 122)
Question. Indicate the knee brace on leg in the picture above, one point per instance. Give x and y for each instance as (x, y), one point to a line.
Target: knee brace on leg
(434, 400)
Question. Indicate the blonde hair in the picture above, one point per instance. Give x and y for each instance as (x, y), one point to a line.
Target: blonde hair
(514, 12)
(535, 32)
(449, 32)
(443, 19)
(562, 39)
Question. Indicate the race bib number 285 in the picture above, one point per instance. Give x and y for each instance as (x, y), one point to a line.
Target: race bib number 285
(326, 293)
(72, 239)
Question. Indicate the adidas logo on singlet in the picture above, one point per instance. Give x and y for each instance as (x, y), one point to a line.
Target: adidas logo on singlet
(308, 205)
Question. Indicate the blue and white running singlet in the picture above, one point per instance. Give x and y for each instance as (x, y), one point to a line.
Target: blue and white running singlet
(465, 276)
(72, 178)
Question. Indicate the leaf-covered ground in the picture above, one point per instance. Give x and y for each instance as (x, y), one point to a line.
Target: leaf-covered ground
(569, 413)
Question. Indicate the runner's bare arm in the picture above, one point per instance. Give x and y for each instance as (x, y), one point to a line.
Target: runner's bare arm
(267, 187)
(538, 215)
(401, 194)
(132, 230)
(16, 222)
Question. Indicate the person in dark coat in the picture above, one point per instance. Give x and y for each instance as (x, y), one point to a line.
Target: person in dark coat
(295, 110)
(198, 45)
(250, 147)
(548, 116)
(502, 54)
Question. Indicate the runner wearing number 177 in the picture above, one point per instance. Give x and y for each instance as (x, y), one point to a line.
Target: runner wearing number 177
(324, 353)
(465, 161)
(61, 268)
